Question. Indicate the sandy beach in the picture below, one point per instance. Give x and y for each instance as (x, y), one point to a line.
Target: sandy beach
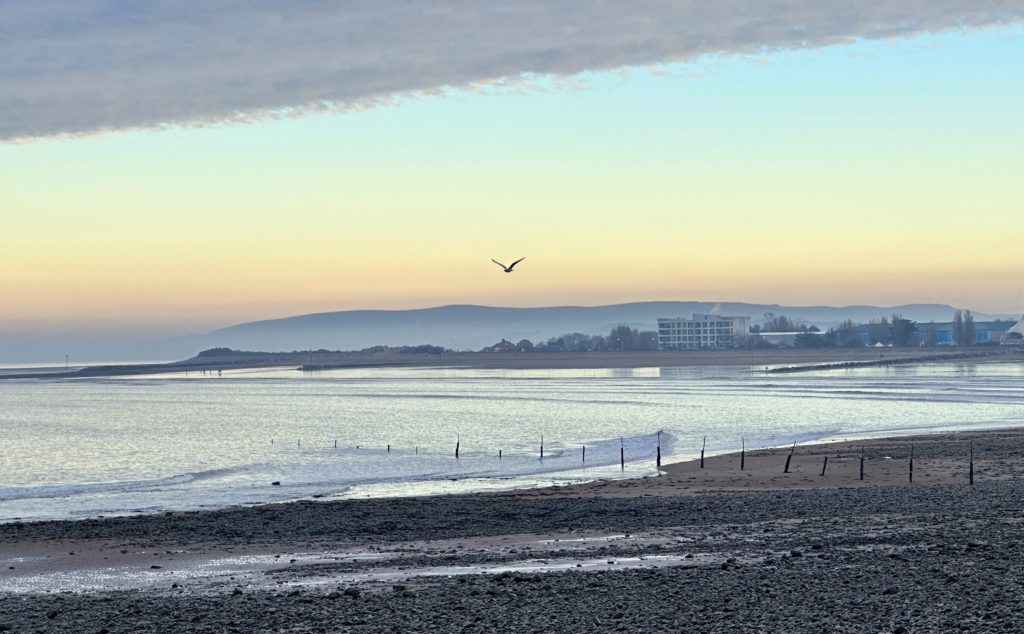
(704, 550)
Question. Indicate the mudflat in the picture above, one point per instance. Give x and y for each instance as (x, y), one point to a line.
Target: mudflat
(704, 550)
(757, 360)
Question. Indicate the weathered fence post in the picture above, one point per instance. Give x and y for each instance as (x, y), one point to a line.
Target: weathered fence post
(743, 453)
(584, 453)
(658, 459)
(457, 442)
(702, 451)
(862, 462)
(622, 453)
(824, 465)
(542, 446)
(789, 458)
(971, 471)
(911, 472)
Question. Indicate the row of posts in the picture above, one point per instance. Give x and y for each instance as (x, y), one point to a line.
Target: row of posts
(824, 462)
(743, 456)
(622, 450)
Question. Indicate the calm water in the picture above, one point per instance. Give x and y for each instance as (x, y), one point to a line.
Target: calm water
(92, 447)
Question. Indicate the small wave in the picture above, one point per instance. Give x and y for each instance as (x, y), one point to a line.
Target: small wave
(67, 490)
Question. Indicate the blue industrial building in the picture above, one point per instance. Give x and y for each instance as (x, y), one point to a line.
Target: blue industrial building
(941, 334)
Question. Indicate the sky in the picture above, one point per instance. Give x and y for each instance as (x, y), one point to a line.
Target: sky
(174, 167)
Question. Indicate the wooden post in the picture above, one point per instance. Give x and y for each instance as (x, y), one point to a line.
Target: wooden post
(702, 451)
(743, 453)
(911, 473)
(499, 454)
(457, 441)
(658, 459)
(862, 462)
(824, 465)
(622, 453)
(971, 471)
(584, 454)
(389, 448)
(335, 443)
(542, 446)
(789, 458)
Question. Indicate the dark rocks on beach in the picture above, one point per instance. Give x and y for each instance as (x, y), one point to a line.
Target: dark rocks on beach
(442, 517)
(925, 559)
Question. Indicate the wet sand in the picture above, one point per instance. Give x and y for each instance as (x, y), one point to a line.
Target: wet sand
(713, 549)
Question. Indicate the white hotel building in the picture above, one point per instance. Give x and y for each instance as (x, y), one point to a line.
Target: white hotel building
(702, 332)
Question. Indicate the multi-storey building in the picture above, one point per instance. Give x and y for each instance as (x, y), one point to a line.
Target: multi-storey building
(703, 331)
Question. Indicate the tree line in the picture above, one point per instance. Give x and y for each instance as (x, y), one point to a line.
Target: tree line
(621, 338)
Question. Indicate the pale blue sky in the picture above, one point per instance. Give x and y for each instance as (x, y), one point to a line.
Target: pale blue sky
(883, 171)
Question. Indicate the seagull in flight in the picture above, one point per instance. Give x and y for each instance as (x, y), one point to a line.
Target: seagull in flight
(508, 269)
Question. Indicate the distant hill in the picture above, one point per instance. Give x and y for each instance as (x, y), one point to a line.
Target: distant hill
(468, 327)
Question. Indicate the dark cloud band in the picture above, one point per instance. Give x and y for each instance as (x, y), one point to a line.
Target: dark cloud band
(84, 66)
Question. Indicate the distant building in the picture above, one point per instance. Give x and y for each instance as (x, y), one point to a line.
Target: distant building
(941, 334)
(702, 332)
(502, 346)
(1014, 336)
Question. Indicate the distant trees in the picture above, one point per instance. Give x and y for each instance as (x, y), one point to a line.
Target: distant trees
(970, 334)
(621, 338)
(893, 331)
(878, 332)
(811, 339)
(903, 332)
(780, 323)
(573, 342)
(845, 335)
(754, 339)
(964, 332)
(421, 349)
(929, 334)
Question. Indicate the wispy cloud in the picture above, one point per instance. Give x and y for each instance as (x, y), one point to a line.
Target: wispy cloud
(70, 67)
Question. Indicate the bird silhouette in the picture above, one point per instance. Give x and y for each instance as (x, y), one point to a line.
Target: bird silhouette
(508, 269)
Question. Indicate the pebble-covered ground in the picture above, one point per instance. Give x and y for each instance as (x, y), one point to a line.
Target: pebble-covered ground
(936, 558)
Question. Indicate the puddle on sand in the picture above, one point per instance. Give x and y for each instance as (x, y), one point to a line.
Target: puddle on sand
(528, 566)
(251, 568)
(212, 574)
(584, 540)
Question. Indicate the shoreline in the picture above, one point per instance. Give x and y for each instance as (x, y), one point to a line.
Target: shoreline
(941, 458)
(689, 549)
(772, 359)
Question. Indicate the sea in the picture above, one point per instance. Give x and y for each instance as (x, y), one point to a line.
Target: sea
(82, 448)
